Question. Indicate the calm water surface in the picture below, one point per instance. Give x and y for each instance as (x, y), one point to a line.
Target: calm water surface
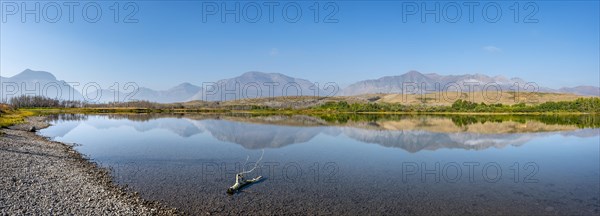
(349, 165)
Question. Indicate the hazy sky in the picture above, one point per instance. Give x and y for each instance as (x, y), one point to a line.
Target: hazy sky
(171, 43)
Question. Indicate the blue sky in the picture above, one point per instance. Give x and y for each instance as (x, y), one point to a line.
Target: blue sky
(171, 44)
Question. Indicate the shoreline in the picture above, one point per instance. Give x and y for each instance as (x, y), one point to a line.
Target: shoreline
(46, 111)
(41, 176)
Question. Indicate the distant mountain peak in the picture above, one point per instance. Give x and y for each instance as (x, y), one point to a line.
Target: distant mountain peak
(185, 84)
(254, 73)
(500, 77)
(34, 75)
(261, 74)
(413, 72)
(582, 90)
(31, 81)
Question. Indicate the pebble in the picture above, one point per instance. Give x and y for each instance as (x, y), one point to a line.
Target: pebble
(58, 182)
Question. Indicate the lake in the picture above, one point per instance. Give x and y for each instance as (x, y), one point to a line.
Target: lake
(348, 164)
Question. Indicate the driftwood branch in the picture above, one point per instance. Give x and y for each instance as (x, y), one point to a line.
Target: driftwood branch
(240, 181)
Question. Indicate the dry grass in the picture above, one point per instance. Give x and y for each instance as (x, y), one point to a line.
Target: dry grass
(506, 98)
(9, 117)
(433, 99)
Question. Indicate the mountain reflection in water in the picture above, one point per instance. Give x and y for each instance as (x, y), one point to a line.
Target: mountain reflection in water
(411, 133)
(349, 164)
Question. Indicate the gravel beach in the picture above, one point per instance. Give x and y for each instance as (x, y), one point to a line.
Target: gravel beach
(42, 177)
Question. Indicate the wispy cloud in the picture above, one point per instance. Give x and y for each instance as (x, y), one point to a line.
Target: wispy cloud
(274, 52)
(491, 49)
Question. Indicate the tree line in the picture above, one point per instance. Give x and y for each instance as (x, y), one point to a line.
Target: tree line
(586, 105)
(30, 101)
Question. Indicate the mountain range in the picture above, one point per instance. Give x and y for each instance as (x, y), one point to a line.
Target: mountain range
(258, 84)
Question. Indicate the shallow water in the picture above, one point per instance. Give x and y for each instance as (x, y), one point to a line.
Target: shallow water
(349, 165)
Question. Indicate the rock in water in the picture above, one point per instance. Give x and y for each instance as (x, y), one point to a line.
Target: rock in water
(32, 129)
